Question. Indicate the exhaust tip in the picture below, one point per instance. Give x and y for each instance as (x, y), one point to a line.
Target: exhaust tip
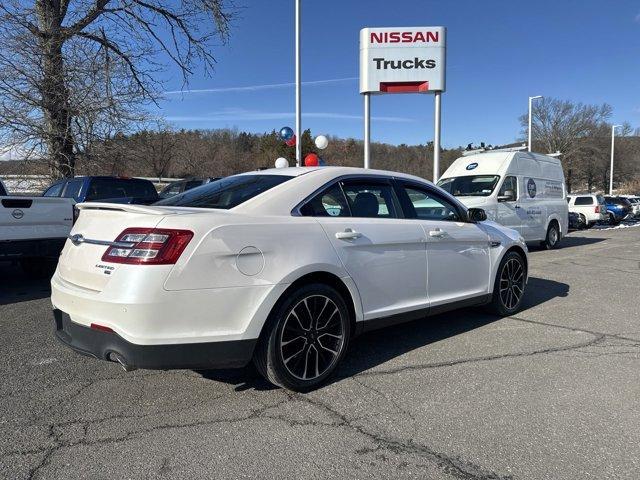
(116, 357)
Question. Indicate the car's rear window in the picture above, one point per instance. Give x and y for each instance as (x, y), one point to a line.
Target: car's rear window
(225, 193)
(104, 188)
(584, 201)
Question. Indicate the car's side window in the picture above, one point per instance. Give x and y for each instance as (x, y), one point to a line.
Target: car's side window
(422, 204)
(509, 187)
(328, 203)
(73, 189)
(54, 190)
(370, 199)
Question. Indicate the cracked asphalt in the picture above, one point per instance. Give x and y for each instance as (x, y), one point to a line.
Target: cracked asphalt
(551, 393)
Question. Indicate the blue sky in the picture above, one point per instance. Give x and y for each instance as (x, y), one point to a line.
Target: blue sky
(498, 53)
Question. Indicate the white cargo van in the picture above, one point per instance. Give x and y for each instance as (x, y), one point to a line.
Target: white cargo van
(521, 190)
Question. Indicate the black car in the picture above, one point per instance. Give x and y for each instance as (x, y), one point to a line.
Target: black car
(575, 222)
(175, 188)
(105, 189)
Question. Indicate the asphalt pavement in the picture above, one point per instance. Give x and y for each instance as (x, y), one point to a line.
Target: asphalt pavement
(551, 393)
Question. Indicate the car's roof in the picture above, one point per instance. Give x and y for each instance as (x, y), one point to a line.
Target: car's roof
(280, 200)
(330, 171)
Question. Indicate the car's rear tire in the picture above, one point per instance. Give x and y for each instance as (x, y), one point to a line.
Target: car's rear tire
(553, 236)
(306, 337)
(509, 285)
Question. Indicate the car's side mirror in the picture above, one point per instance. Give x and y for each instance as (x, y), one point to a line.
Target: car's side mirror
(508, 196)
(476, 215)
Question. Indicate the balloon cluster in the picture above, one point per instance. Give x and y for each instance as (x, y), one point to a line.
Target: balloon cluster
(288, 136)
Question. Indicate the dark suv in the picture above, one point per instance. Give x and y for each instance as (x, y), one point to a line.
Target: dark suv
(105, 189)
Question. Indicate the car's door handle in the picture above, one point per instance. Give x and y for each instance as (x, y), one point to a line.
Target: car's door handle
(348, 234)
(437, 233)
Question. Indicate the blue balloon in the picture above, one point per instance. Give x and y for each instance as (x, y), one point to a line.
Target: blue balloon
(286, 133)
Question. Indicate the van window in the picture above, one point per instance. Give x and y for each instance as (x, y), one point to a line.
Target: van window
(470, 186)
(510, 184)
(584, 201)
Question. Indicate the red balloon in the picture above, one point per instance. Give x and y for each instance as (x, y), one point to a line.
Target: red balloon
(311, 160)
(291, 142)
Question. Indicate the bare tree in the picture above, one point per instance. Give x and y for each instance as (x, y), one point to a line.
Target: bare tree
(561, 125)
(74, 71)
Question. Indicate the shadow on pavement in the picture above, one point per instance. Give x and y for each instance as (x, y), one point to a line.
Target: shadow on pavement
(569, 242)
(17, 287)
(374, 348)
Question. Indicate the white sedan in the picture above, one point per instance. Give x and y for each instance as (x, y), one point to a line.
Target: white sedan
(281, 266)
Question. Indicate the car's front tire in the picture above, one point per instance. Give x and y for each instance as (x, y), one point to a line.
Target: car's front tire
(509, 286)
(306, 338)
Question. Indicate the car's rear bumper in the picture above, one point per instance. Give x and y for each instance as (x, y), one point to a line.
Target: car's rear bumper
(106, 345)
(42, 247)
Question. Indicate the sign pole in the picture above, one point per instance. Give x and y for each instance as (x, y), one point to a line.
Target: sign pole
(298, 90)
(367, 130)
(436, 136)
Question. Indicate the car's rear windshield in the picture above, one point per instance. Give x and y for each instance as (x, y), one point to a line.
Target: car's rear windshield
(225, 193)
(104, 188)
(470, 186)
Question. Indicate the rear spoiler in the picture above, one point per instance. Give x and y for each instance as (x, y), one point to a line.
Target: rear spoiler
(118, 207)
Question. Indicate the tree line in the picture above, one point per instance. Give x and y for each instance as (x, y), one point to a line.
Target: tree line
(76, 80)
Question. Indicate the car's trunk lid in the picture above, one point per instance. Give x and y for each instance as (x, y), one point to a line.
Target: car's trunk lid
(81, 261)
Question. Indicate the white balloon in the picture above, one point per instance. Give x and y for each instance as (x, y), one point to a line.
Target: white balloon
(282, 162)
(322, 142)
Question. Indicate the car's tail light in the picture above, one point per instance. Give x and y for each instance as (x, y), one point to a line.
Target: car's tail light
(597, 208)
(148, 246)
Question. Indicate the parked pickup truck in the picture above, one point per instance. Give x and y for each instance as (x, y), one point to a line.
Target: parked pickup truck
(33, 230)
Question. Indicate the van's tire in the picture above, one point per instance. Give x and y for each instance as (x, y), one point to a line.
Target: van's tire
(306, 337)
(509, 285)
(553, 236)
(38, 268)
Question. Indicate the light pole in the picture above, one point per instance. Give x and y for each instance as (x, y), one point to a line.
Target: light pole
(531, 99)
(298, 90)
(613, 140)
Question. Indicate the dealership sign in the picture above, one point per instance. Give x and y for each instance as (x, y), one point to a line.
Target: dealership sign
(402, 60)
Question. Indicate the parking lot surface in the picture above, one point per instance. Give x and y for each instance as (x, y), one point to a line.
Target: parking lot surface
(551, 393)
